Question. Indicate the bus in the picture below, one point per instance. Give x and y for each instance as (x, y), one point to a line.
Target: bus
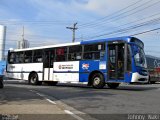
(153, 68)
(2, 70)
(95, 62)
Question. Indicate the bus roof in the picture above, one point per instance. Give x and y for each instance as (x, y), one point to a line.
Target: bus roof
(44, 47)
(126, 38)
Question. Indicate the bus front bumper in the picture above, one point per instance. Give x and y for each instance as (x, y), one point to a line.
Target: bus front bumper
(137, 78)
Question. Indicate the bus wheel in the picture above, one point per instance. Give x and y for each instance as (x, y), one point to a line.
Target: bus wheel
(33, 79)
(98, 81)
(113, 85)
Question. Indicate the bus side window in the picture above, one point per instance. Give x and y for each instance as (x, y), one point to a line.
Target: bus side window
(129, 65)
(11, 58)
(87, 56)
(102, 54)
(61, 54)
(48, 57)
(94, 51)
(28, 57)
(37, 56)
(19, 57)
(112, 58)
(75, 53)
(52, 56)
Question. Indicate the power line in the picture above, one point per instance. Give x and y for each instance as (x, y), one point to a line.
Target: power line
(30, 35)
(153, 21)
(129, 23)
(152, 51)
(110, 15)
(145, 32)
(41, 21)
(133, 11)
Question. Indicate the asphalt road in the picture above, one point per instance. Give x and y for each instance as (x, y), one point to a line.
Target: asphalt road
(79, 101)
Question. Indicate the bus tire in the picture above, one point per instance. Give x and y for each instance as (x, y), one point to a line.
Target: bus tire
(33, 79)
(98, 81)
(113, 85)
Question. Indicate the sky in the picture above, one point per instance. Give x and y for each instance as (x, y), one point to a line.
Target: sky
(45, 21)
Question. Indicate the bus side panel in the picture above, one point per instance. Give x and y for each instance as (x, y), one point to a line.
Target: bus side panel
(22, 71)
(48, 74)
(66, 72)
(22, 76)
(66, 77)
(18, 75)
(86, 67)
(128, 77)
(83, 77)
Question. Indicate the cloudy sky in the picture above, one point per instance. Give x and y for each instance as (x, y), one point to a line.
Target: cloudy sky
(45, 21)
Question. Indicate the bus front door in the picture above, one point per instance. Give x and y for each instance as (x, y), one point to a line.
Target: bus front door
(116, 61)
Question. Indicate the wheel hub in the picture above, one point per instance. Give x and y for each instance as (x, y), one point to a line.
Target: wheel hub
(96, 80)
(33, 79)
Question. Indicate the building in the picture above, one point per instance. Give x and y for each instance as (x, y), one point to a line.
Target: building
(2, 41)
(23, 44)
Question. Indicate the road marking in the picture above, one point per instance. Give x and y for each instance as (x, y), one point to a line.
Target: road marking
(50, 101)
(22, 81)
(40, 94)
(32, 90)
(66, 111)
(73, 115)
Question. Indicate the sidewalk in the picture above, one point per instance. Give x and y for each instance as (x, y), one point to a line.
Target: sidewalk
(26, 105)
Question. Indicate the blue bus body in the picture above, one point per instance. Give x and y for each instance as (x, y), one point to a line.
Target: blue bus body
(137, 74)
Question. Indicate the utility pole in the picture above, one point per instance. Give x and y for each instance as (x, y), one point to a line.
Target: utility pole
(23, 33)
(73, 30)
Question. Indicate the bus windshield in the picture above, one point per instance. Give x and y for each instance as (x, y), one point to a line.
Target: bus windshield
(139, 56)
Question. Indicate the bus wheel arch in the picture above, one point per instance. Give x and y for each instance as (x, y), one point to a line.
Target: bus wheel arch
(96, 79)
(33, 78)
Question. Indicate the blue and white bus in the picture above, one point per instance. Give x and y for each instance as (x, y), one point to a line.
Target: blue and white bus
(95, 63)
(2, 70)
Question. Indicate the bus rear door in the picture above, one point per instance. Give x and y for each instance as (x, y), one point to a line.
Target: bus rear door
(48, 65)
